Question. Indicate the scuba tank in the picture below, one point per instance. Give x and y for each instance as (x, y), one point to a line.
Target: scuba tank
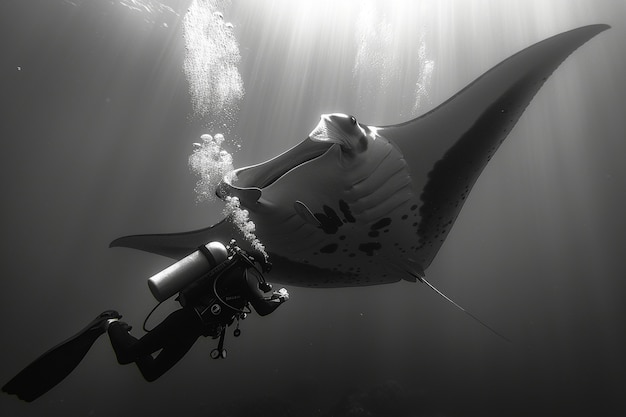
(210, 292)
(181, 274)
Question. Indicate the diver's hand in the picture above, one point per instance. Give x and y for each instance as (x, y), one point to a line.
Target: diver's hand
(282, 295)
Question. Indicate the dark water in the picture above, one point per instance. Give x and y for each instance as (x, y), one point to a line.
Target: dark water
(97, 129)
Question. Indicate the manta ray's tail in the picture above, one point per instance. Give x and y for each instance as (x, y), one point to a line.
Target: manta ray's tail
(422, 279)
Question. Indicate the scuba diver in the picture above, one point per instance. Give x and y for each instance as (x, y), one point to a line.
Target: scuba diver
(216, 286)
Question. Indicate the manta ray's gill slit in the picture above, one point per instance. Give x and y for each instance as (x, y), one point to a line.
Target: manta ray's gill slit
(373, 169)
(387, 187)
(387, 206)
(382, 183)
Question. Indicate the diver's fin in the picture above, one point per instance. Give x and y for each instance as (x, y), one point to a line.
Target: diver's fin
(56, 364)
(422, 279)
(179, 245)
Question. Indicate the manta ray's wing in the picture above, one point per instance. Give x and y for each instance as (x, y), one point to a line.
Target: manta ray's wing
(179, 245)
(447, 148)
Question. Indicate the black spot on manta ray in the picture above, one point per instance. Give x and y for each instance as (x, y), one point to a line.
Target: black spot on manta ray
(374, 229)
(329, 221)
(345, 209)
(369, 247)
(329, 248)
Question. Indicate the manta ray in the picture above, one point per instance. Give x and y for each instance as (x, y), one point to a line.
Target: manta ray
(357, 205)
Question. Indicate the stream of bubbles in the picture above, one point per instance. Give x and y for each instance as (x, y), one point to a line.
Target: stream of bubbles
(216, 87)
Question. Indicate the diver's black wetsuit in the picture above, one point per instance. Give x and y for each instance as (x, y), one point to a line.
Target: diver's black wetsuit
(179, 331)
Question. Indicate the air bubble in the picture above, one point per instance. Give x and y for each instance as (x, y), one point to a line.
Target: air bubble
(211, 60)
(240, 218)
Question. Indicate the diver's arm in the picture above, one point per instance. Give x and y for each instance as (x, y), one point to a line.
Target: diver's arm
(265, 305)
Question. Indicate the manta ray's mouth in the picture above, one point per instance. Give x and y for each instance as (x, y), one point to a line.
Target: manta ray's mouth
(252, 179)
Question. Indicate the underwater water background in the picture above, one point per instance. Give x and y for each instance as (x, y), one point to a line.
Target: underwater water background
(97, 128)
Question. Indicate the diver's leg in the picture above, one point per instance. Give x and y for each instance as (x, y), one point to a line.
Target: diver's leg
(152, 368)
(174, 337)
(124, 344)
